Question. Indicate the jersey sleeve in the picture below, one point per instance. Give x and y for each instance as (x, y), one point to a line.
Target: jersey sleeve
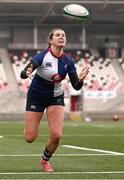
(71, 67)
(38, 59)
(35, 61)
(73, 76)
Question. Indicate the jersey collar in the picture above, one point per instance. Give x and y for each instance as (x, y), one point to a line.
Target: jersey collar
(54, 54)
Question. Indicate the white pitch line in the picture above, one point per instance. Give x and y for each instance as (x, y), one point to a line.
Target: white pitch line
(69, 135)
(57, 155)
(55, 173)
(1, 136)
(91, 149)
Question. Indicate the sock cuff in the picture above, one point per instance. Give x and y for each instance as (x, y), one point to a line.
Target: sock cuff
(46, 155)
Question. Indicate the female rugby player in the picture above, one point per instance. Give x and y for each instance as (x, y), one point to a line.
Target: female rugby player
(46, 92)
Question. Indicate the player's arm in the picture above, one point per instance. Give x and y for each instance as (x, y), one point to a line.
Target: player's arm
(28, 70)
(76, 84)
(77, 81)
(34, 62)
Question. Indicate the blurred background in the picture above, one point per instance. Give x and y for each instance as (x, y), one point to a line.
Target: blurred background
(98, 43)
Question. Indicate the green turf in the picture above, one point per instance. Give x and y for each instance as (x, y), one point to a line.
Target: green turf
(68, 163)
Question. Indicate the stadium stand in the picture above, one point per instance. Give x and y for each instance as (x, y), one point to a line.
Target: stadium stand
(121, 62)
(103, 87)
(3, 80)
(102, 76)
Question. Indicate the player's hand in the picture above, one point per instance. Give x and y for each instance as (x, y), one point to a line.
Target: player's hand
(83, 73)
(29, 71)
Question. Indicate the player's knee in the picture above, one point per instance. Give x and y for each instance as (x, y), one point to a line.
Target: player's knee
(57, 138)
(30, 137)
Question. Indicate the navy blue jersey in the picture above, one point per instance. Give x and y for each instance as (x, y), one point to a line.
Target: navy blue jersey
(51, 70)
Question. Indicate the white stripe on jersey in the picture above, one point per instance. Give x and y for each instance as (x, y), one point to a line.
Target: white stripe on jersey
(49, 67)
(58, 89)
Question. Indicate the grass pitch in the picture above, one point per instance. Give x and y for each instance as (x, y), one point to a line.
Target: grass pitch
(93, 150)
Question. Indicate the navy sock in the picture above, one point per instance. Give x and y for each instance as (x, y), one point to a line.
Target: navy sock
(46, 155)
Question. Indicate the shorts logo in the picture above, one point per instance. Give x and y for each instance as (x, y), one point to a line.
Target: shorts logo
(33, 107)
(59, 100)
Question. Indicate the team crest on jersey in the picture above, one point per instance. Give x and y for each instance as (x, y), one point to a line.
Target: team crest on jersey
(56, 78)
(48, 64)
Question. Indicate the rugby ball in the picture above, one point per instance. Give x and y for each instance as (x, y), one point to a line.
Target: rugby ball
(76, 13)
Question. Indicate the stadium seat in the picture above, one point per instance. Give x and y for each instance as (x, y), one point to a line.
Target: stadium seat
(3, 79)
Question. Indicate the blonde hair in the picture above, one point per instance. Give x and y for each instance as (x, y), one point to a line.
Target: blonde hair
(51, 33)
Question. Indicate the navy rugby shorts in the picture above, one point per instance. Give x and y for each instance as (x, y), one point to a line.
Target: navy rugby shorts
(37, 104)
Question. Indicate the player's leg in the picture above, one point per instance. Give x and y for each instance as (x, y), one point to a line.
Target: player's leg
(32, 120)
(55, 116)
